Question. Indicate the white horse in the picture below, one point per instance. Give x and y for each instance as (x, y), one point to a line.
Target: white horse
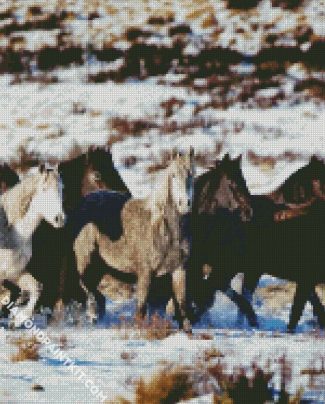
(37, 197)
(151, 243)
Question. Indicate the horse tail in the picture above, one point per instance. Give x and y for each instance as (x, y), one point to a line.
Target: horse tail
(84, 245)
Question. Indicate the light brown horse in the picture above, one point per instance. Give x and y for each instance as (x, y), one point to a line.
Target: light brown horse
(151, 243)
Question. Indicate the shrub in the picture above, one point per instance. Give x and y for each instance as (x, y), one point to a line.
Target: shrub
(153, 328)
(28, 349)
(166, 387)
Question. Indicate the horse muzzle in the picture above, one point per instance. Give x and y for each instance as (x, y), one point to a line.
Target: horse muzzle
(59, 220)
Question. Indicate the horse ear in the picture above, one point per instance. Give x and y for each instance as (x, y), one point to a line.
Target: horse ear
(191, 154)
(225, 161)
(192, 160)
(227, 158)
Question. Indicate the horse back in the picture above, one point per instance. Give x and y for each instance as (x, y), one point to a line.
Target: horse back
(103, 208)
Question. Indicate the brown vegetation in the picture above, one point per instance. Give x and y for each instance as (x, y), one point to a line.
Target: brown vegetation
(175, 383)
(153, 328)
(28, 349)
(37, 387)
(167, 386)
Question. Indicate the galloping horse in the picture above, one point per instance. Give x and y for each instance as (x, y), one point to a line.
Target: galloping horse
(281, 234)
(149, 242)
(38, 197)
(221, 204)
(291, 220)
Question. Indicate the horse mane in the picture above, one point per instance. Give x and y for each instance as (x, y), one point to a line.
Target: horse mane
(209, 195)
(16, 200)
(101, 160)
(298, 188)
(74, 171)
(157, 202)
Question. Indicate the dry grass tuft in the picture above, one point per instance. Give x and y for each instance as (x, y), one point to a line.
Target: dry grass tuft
(37, 387)
(171, 106)
(175, 383)
(153, 328)
(63, 342)
(212, 353)
(203, 336)
(28, 349)
(128, 356)
(238, 385)
(223, 399)
(167, 386)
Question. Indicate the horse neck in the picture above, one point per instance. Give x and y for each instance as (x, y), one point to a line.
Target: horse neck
(163, 210)
(27, 225)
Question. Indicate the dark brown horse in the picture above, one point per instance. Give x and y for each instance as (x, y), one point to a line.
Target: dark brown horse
(281, 234)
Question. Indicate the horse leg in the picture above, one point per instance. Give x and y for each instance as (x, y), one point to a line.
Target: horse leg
(243, 304)
(301, 297)
(91, 279)
(318, 308)
(249, 286)
(221, 281)
(29, 284)
(143, 284)
(179, 297)
(15, 292)
(251, 280)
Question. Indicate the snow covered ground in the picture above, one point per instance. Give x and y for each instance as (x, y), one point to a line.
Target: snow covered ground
(38, 121)
(276, 128)
(100, 354)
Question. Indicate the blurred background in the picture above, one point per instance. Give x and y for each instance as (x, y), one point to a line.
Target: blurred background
(150, 76)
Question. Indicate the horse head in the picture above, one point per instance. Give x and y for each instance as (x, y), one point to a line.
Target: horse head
(89, 172)
(181, 181)
(223, 187)
(48, 198)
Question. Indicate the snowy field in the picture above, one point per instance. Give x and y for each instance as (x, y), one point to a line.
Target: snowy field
(116, 363)
(270, 109)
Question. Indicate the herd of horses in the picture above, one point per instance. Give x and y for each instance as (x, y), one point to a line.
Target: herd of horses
(65, 228)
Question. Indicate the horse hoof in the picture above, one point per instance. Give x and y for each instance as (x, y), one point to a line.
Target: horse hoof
(187, 327)
(254, 324)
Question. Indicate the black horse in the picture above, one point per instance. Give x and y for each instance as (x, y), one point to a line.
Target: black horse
(291, 223)
(221, 206)
(281, 234)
